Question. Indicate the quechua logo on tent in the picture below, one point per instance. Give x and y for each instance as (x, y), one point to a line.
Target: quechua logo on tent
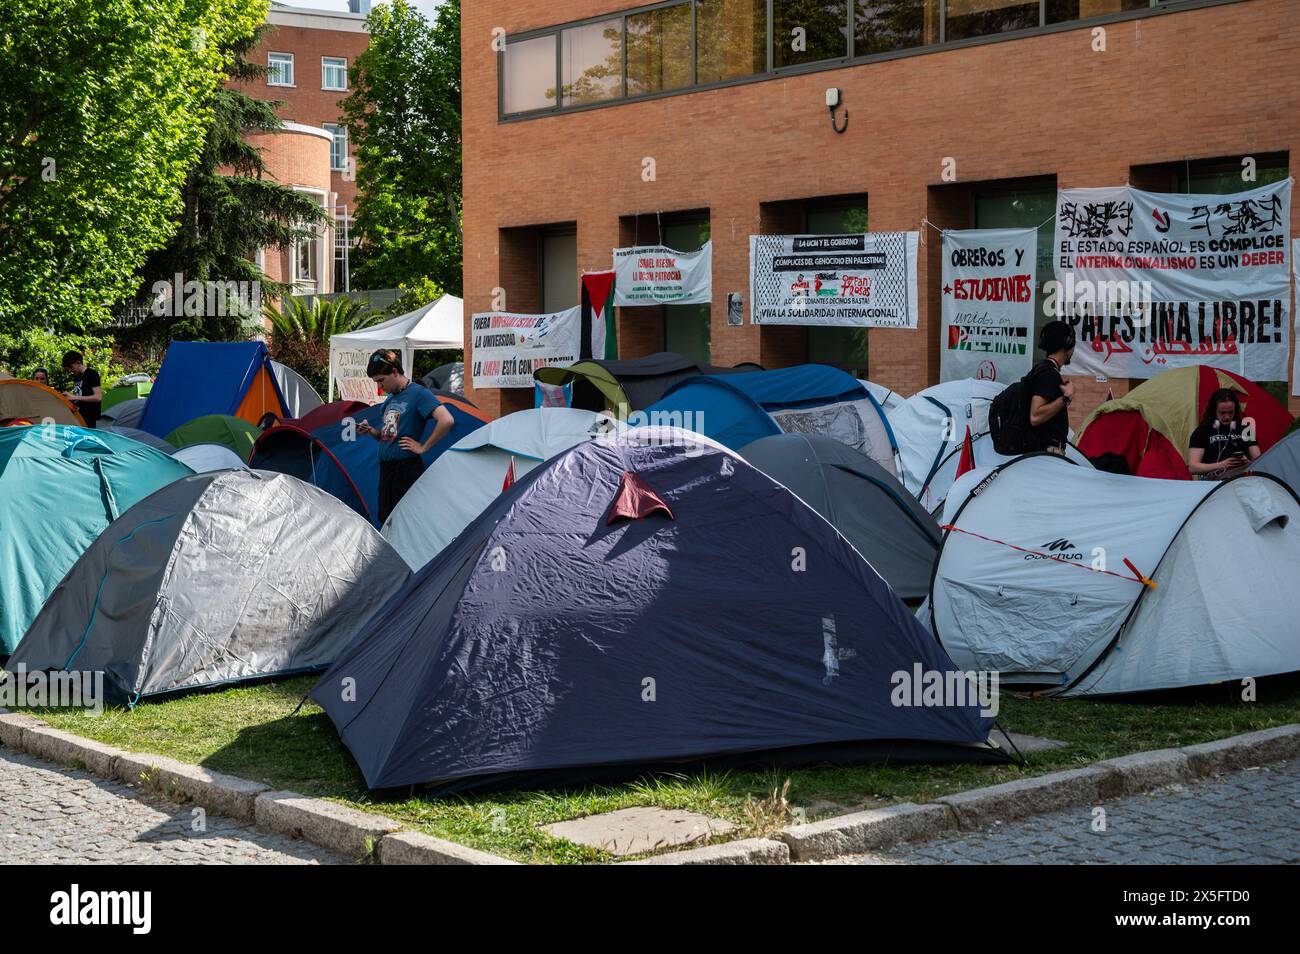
(1060, 548)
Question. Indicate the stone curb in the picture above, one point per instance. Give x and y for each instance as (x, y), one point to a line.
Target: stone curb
(750, 851)
(863, 831)
(364, 836)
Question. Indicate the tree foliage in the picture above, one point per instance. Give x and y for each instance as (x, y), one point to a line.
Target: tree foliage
(301, 332)
(103, 114)
(403, 118)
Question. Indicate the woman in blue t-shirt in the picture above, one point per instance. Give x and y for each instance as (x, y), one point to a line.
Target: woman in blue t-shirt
(406, 414)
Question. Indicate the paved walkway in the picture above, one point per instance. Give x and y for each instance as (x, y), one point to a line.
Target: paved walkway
(1249, 817)
(54, 815)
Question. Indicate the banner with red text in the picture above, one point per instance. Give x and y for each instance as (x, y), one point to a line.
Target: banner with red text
(658, 275)
(988, 304)
(507, 348)
(1152, 281)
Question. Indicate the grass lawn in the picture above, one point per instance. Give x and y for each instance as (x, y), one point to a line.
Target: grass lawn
(252, 732)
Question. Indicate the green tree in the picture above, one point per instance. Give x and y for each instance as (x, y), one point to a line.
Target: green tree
(103, 114)
(232, 209)
(403, 118)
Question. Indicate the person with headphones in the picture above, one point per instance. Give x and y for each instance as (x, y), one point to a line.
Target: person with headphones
(406, 413)
(1050, 393)
(1222, 442)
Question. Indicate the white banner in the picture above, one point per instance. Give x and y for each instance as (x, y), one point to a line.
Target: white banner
(858, 281)
(350, 376)
(508, 347)
(1295, 368)
(1152, 281)
(658, 275)
(988, 304)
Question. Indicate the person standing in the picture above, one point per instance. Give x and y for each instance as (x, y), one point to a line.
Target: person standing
(1050, 393)
(1219, 444)
(87, 394)
(406, 413)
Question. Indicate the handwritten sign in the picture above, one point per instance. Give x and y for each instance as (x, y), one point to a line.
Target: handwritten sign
(988, 304)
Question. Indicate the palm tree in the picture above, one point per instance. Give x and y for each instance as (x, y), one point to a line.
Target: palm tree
(301, 332)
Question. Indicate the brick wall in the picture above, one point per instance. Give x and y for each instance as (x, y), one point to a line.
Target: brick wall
(1043, 106)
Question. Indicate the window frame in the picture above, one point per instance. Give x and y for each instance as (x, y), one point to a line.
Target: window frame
(325, 71)
(335, 129)
(293, 75)
(1157, 8)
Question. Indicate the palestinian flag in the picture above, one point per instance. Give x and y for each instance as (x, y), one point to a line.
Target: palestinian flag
(599, 338)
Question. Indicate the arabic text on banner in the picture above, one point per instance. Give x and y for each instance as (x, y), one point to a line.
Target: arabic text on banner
(507, 348)
(1210, 275)
(658, 275)
(988, 304)
(858, 281)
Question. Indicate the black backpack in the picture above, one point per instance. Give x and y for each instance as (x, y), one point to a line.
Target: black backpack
(1009, 417)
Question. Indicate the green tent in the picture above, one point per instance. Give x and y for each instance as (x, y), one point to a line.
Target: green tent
(60, 486)
(238, 435)
(126, 392)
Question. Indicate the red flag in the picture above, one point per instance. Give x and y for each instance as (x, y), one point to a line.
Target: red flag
(510, 476)
(967, 461)
(1110, 396)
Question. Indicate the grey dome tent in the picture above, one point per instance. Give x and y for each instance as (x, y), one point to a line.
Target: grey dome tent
(1043, 573)
(862, 500)
(300, 397)
(144, 437)
(649, 566)
(1282, 461)
(125, 414)
(215, 579)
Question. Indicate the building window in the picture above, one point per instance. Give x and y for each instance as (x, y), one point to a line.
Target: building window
(305, 272)
(886, 27)
(559, 269)
(1028, 207)
(688, 328)
(1060, 11)
(805, 32)
(342, 251)
(338, 146)
(1223, 176)
(333, 73)
(969, 18)
(730, 39)
(591, 63)
(659, 50)
(279, 69)
(529, 80)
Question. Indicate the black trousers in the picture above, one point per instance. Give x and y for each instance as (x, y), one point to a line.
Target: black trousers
(396, 477)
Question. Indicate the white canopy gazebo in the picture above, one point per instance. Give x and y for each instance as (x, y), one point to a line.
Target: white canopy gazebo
(439, 325)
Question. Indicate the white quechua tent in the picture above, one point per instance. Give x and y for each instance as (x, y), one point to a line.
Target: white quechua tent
(929, 424)
(460, 484)
(1046, 576)
(936, 491)
(439, 325)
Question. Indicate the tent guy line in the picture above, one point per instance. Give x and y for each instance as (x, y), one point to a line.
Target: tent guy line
(1138, 578)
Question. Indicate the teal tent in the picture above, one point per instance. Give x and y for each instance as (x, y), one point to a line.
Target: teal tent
(60, 487)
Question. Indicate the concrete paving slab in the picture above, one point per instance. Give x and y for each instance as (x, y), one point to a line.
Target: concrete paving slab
(632, 831)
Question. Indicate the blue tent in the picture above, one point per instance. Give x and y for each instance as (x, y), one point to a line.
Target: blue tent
(738, 409)
(198, 378)
(630, 604)
(341, 462)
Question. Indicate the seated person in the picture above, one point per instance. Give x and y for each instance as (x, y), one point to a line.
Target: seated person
(1218, 445)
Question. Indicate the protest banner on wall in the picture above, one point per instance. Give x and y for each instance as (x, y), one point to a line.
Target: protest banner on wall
(507, 348)
(658, 275)
(867, 280)
(988, 304)
(1152, 281)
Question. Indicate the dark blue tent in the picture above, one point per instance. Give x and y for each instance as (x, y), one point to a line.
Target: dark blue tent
(626, 606)
(343, 463)
(198, 378)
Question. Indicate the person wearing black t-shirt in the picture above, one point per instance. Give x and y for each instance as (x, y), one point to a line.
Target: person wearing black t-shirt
(1220, 443)
(1050, 393)
(87, 394)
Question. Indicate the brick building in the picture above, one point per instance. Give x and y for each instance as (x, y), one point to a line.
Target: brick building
(309, 53)
(1024, 96)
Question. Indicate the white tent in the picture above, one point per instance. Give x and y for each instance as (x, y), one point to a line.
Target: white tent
(1032, 581)
(299, 396)
(439, 325)
(205, 458)
(936, 491)
(929, 424)
(887, 398)
(460, 484)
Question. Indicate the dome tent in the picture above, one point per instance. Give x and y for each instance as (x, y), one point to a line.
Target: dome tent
(462, 482)
(215, 579)
(59, 487)
(230, 432)
(929, 424)
(299, 396)
(935, 492)
(1151, 426)
(1038, 578)
(650, 556)
(126, 414)
(1282, 461)
(203, 378)
(30, 401)
(862, 500)
(203, 458)
(144, 437)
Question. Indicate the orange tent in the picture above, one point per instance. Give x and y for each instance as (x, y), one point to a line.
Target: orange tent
(35, 402)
